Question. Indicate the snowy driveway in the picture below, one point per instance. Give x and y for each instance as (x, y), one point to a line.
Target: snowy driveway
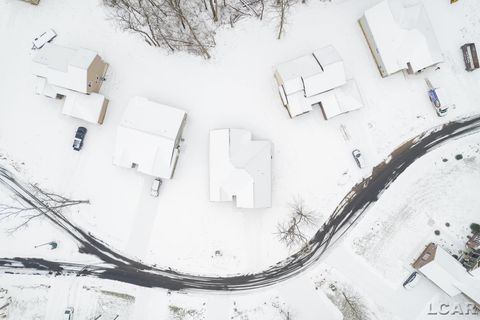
(121, 268)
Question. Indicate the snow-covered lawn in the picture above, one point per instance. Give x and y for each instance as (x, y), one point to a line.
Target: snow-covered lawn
(439, 193)
(181, 229)
(439, 189)
(23, 302)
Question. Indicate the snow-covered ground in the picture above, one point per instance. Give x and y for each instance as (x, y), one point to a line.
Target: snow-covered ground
(181, 229)
(376, 255)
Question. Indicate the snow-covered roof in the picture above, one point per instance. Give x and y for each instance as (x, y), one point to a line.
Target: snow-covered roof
(240, 168)
(313, 74)
(64, 67)
(447, 273)
(340, 100)
(332, 73)
(400, 35)
(317, 78)
(91, 107)
(148, 137)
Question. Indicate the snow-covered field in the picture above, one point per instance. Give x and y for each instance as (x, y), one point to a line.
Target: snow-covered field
(181, 229)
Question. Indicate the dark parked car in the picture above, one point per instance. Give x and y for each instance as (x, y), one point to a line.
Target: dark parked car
(79, 137)
(357, 155)
(68, 314)
(412, 280)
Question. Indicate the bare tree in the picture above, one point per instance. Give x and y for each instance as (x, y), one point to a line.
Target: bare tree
(173, 24)
(282, 7)
(285, 314)
(292, 232)
(353, 309)
(190, 26)
(349, 302)
(26, 211)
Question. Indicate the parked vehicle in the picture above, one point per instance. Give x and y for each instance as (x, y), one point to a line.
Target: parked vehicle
(68, 314)
(470, 56)
(357, 155)
(434, 95)
(44, 38)
(412, 280)
(79, 138)
(155, 187)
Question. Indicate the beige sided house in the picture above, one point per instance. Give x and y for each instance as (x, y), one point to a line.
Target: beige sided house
(448, 273)
(76, 74)
(400, 37)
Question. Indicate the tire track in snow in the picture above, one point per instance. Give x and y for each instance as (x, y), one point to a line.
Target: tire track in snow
(115, 266)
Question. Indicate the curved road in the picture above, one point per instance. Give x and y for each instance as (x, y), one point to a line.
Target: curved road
(115, 266)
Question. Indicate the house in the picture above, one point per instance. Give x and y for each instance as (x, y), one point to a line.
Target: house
(74, 74)
(148, 138)
(240, 168)
(317, 79)
(79, 70)
(448, 273)
(400, 37)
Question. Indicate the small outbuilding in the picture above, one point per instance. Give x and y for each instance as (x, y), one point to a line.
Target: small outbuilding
(400, 37)
(148, 138)
(317, 79)
(240, 168)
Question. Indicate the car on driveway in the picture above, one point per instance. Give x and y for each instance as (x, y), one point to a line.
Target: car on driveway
(68, 314)
(436, 96)
(358, 157)
(79, 138)
(440, 108)
(412, 280)
(155, 187)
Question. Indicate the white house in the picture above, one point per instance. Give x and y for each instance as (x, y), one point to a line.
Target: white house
(448, 273)
(317, 79)
(240, 169)
(148, 138)
(76, 74)
(400, 37)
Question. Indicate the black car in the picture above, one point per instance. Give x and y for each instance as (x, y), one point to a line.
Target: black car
(412, 280)
(357, 155)
(79, 137)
